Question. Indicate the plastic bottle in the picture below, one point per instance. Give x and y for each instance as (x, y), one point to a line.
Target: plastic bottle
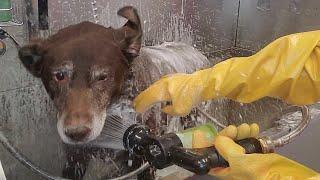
(208, 131)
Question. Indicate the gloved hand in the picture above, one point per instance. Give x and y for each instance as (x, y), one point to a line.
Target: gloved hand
(287, 69)
(236, 133)
(251, 166)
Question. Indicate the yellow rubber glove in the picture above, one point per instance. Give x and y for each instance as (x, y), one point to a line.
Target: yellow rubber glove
(288, 68)
(252, 166)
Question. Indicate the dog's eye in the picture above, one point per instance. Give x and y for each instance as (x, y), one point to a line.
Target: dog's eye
(102, 77)
(60, 76)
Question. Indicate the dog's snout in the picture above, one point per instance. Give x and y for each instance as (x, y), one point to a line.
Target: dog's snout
(77, 125)
(77, 118)
(78, 133)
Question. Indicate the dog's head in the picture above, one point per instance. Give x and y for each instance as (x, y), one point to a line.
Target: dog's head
(83, 68)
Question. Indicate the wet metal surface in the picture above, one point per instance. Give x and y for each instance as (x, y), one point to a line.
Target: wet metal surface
(27, 117)
(262, 21)
(207, 24)
(13, 74)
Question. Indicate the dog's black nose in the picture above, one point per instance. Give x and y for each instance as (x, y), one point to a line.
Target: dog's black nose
(78, 134)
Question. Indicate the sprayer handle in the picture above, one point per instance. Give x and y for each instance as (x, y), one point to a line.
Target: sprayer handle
(195, 161)
(200, 161)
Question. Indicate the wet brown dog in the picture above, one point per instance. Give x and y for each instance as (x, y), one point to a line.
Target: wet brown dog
(85, 67)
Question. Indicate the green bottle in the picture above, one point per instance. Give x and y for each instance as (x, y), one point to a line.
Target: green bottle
(5, 11)
(186, 136)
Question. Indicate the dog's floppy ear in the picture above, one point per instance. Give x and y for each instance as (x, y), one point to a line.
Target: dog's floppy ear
(129, 36)
(31, 56)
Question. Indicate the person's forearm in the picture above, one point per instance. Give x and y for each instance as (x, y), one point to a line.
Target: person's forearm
(288, 68)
